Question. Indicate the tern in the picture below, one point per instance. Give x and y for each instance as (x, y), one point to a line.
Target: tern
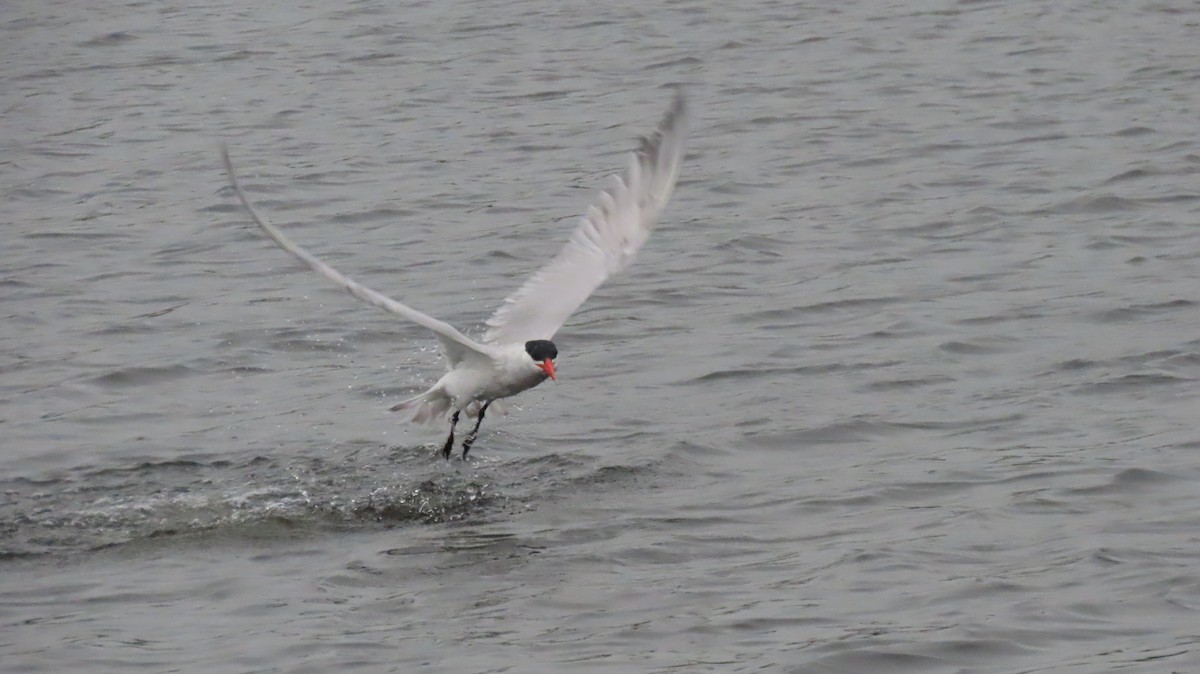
(516, 353)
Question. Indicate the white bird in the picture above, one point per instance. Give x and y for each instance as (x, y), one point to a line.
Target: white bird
(516, 353)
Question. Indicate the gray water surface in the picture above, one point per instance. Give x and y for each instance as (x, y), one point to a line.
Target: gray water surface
(906, 381)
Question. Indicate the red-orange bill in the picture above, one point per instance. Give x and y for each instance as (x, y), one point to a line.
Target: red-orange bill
(548, 367)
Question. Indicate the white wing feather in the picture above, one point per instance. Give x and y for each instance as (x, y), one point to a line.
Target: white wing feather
(603, 244)
(456, 345)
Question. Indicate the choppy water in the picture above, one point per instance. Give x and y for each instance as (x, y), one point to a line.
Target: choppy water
(906, 382)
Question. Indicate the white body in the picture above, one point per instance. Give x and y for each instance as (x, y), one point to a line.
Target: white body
(509, 372)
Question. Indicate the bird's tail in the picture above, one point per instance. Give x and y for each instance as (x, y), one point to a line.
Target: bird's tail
(429, 406)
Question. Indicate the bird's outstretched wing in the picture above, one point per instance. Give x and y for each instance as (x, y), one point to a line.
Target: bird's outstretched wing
(456, 345)
(605, 241)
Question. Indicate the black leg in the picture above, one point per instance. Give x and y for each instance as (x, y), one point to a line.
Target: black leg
(450, 440)
(474, 431)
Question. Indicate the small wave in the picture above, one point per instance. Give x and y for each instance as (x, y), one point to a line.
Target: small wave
(1105, 203)
(881, 660)
(143, 376)
(674, 63)
(1132, 174)
(1132, 382)
(374, 215)
(854, 430)
(109, 39)
(907, 384)
(1136, 312)
(1072, 365)
(1134, 131)
(1127, 482)
(980, 346)
(775, 372)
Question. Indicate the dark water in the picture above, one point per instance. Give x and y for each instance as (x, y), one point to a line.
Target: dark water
(907, 381)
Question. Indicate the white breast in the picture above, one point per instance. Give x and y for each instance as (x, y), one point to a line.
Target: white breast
(510, 372)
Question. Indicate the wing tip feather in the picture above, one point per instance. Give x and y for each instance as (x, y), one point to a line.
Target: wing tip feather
(655, 158)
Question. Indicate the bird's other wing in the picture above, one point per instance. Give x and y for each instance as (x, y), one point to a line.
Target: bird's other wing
(455, 345)
(605, 241)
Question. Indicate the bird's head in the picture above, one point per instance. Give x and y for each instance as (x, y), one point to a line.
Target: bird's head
(543, 352)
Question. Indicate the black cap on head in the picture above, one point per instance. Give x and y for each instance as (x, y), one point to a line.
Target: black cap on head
(541, 349)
